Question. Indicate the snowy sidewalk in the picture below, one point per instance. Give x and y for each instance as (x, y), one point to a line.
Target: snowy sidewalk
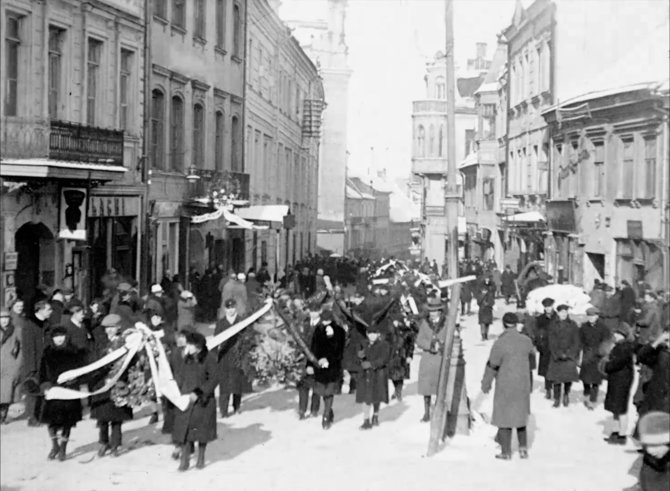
(266, 448)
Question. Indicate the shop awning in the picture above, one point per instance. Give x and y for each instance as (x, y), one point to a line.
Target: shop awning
(59, 169)
(264, 213)
(528, 217)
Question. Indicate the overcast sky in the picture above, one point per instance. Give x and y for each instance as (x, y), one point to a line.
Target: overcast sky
(389, 44)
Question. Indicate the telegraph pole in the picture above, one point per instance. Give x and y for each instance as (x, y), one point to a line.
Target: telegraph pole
(452, 200)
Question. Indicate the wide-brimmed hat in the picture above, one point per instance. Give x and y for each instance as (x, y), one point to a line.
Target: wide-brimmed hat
(434, 304)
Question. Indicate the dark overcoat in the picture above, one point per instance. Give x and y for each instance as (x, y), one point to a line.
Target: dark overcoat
(486, 300)
(591, 337)
(326, 380)
(509, 366)
(564, 351)
(401, 339)
(196, 374)
(657, 390)
(373, 383)
(33, 339)
(56, 360)
(350, 361)
(232, 378)
(507, 287)
(428, 339)
(541, 340)
(306, 332)
(103, 407)
(619, 369)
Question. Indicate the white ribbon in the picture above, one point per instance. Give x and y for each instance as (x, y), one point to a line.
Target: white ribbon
(231, 331)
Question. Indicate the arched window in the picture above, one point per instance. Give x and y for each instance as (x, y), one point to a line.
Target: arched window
(158, 129)
(235, 157)
(237, 31)
(218, 141)
(440, 88)
(431, 141)
(198, 136)
(440, 141)
(421, 142)
(177, 134)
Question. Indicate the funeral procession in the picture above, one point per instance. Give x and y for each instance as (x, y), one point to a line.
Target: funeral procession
(335, 245)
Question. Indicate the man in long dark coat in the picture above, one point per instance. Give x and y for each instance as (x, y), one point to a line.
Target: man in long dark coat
(486, 300)
(34, 337)
(564, 349)
(306, 383)
(430, 340)
(592, 334)
(231, 375)
(328, 347)
(541, 340)
(507, 279)
(509, 365)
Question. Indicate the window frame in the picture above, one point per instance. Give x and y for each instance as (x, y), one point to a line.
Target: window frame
(238, 42)
(178, 17)
(176, 153)
(219, 140)
(198, 141)
(93, 77)
(126, 74)
(598, 167)
(650, 162)
(220, 13)
(12, 43)
(55, 80)
(157, 144)
(199, 20)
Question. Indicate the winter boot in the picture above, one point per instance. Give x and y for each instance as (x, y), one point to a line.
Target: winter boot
(504, 456)
(616, 439)
(185, 457)
(302, 416)
(153, 419)
(426, 413)
(523, 453)
(62, 450)
(375, 420)
(547, 394)
(200, 464)
(366, 425)
(176, 453)
(104, 448)
(115, 452)
(566, 399)
(55, 448)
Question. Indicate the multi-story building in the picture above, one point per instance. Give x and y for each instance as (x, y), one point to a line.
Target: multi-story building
(481, 172)
(196, 150)
(429, 152)
(325, 43)
(610, 182)
(558, 50)
(284, 98)
(71, 129)
(360, 222)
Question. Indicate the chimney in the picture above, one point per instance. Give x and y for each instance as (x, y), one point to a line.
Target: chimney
(481, 51)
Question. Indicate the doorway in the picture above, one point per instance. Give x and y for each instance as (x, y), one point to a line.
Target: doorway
(35, 246)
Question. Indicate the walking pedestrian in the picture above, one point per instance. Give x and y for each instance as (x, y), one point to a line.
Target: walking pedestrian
(197, 377)
(619, 369)
(509, 366)
(507, 284)
(592, 334)
(10, 362)
(431, 340)
(328, 348)
(564, 349)
(306, 383)
(372, 389)
(33, 339)
(486, 300)
(655, 440)
(60, 355)
(230, 358)
(541, 340)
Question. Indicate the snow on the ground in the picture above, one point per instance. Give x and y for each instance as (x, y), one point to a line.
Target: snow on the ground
(266, 448)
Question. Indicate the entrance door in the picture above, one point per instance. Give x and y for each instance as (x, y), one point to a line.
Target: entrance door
(34, 244)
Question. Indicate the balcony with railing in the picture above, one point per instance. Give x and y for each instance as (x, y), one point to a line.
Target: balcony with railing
(80, 143)
(213, 187)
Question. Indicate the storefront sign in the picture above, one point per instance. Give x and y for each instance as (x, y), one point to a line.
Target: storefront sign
(561, 216)
(72, 213)
(11, 260)
(113, 206)
(634, 229)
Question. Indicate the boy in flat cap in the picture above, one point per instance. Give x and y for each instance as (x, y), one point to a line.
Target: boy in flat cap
(564, 348)
(541, 340)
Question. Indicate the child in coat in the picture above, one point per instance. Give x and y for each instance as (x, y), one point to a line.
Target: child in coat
(373, 382)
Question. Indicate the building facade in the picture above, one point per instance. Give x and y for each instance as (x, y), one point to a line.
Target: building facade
(482, 174)
(325, 44)
(610, 182)
(429, 151)
(73, 194)
(284, 98)
(196, 147)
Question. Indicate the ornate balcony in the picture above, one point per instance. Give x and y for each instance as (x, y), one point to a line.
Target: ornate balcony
(213, 186)
(80, 143)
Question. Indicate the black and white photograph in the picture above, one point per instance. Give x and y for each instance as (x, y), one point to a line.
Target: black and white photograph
(335, 245)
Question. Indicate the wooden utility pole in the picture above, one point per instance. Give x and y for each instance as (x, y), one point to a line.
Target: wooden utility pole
(452, 200)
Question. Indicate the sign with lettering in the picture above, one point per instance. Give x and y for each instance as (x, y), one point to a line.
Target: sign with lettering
(11, 260)
(113, 206)
(72, 213)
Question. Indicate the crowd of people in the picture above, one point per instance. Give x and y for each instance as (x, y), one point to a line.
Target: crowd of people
(355, 326)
